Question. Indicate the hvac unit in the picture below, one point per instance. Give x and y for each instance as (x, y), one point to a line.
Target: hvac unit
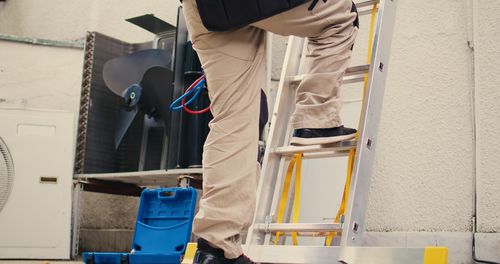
(36, 170)
(126, 130)
(129, 133)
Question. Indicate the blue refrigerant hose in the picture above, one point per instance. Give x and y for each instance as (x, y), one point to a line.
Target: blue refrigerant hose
(198, 87)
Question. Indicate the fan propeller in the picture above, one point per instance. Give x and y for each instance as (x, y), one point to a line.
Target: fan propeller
(144, 83)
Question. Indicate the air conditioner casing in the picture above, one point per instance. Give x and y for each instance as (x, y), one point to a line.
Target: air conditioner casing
(35, 222)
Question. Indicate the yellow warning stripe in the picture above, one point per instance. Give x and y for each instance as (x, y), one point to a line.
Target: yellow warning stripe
(435, 255)
(190, 252)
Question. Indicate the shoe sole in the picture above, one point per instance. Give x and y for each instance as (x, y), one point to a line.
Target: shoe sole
(320, 140)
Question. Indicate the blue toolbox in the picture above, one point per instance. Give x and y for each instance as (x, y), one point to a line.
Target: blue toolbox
(162, 229)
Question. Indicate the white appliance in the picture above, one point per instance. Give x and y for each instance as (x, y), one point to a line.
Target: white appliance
(36, 171)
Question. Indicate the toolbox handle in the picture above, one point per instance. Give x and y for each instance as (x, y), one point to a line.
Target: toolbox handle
(167, 195)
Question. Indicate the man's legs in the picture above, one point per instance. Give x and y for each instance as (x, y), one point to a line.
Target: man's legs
(331, 33)
(234, 63)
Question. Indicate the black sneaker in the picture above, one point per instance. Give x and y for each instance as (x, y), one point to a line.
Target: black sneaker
(243, 260)
(317, 136)
(206, 254)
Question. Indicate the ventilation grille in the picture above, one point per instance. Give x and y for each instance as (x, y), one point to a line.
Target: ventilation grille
(6, 173)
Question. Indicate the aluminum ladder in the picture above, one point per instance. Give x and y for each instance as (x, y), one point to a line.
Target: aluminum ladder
(350, 247)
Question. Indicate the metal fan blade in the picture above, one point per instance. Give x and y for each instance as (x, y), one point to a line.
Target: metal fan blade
(119, 73)
(125, 119)
(157, 90)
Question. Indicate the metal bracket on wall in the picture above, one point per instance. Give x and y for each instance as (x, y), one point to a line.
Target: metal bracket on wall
(111, 187)
(144, 178)
(151, 23)
(194, 181)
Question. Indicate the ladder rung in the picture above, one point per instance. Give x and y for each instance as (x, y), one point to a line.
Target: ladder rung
(353, 79)
(302, 227)
(360, 69)
(365, 11)
(366, 3)
(318, 151)
(352, 74)
(305, 234)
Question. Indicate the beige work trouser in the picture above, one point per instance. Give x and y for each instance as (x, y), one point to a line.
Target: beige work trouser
(234, 63)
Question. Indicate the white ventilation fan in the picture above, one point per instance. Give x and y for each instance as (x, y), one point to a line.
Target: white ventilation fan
(6, 173)
(36, 175)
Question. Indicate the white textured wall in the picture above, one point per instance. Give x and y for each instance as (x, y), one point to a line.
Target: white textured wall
(487, 74)
(40, 77)
(69, 19)
(44, 77)
(423, 172)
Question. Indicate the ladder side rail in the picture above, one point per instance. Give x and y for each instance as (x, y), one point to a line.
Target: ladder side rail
(287, 216)
(272, 214)
(280, 176)
(363, 168)
(302, 60)
(279, 122)
(284, 160)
